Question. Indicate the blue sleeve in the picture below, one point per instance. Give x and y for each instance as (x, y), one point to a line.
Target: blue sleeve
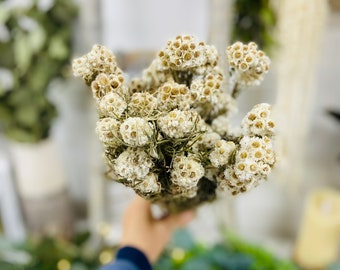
(129, 258)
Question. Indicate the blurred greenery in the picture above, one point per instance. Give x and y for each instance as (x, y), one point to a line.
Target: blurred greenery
(49, 253)
(35, 48)
(232, 254)
(182, 253)
(254, 20)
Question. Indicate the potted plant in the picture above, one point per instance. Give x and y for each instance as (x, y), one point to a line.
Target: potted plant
(35, 42)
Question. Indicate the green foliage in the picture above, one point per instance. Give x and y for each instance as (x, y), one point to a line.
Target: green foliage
(45, 253)
(36, 51)
(232, 254)
(254, 20)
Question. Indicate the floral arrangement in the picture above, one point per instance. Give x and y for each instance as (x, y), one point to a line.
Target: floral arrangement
(167, 134)
(35, 42)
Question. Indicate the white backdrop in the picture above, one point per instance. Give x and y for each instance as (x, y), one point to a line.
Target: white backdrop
(146, 25)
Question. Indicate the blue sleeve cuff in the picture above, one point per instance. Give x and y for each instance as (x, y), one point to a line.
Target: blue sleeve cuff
(129, 258)
(135, 256)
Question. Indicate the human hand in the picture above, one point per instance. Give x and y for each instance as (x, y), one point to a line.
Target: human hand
(141, 230)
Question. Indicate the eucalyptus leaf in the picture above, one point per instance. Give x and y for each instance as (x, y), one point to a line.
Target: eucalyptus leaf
(57, 48)
(36, 39)
(27, 115)
(22, 52)
(5, 12)
(7, 55)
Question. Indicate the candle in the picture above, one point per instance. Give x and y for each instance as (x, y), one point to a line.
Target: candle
(318, 240)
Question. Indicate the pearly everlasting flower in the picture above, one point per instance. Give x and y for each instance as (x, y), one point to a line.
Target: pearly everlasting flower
(221, 125)
(172, 95)
(112, 105)
(137, 85)
(108, 131)
(104, 84)
(205, 142)
(136, 131)
(221, 153)
(246, 169)
(186, 172)
(247, 63)
(255, 157)
(156, 74)
(258, 121)
(229, 181)
(98, 60)
(179, 124)
(133, 164)
(142, 104)
(186, 52)
(149, 185)
(204, 88)
(221, 103)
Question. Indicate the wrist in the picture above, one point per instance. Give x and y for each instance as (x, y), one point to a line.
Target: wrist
(134, 255)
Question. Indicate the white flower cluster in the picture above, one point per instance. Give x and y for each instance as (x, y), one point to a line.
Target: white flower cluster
(112, 105)
(258, 121)
(173, 95)
(186, 52)
(167, 134)
(133, 164)
(253, 162)
(136, 131)
(247, 63)
(186, 172)
(179, 124)
(108, 131)
(149, 185)
(99, 60)
(142, 104)
(221, 154)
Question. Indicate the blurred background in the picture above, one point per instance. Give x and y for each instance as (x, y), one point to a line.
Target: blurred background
(58, 211)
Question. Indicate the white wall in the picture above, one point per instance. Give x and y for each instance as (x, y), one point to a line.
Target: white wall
(148, 24)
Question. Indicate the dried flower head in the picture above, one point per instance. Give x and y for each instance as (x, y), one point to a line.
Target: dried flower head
(112, 105)
(186, 172)
(184, 53)
(221, 154)
(149, 185)
(258, 121)
(172, 95)
(108, 131)
(133, 164)
(98, 60)
(136, 131)
(142, 104)
(179, 124)
(247, 63)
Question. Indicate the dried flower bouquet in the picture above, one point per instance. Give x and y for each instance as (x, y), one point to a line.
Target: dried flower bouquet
(167, 134)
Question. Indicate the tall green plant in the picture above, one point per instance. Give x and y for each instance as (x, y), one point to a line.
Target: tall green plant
(254, 20)
(35, 49)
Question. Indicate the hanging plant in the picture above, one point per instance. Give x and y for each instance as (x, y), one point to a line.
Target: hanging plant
(35, 45)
